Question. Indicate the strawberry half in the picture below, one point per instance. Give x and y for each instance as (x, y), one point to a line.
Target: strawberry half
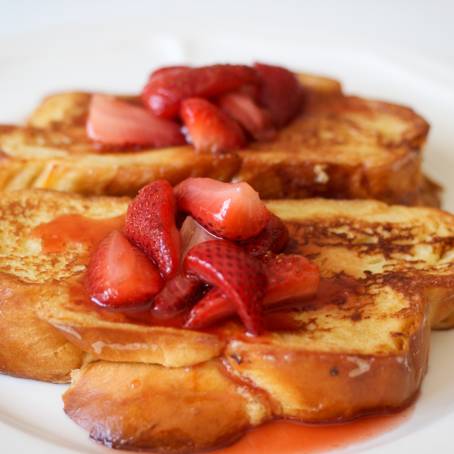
(114, 122)
(273, 238)
(290, 277)
(210, 129)
(166, 89)
(229, 210)
(248, 114)
(119, 274)
(281, 92)
(176, 295)
(212, 308)
(238, 275)
(150, 224)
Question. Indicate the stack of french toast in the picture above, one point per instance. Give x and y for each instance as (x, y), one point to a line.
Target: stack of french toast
(235, 245)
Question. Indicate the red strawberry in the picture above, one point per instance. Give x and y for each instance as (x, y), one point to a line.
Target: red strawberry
(169, 70)
(210, 129)
(212, 308)
(281, 92)
(193, 233)
(251, 90)
(176, 295)
(229, 210)
(119, 274)
(248, 114)
(165, 90)
(238, 275)
(150, 224)
(290, 277)
(273, 238)
(114, 122)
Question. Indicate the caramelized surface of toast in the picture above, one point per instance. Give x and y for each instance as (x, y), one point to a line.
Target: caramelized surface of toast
(339, 147)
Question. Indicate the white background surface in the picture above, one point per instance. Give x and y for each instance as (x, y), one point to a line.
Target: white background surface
(399, 50)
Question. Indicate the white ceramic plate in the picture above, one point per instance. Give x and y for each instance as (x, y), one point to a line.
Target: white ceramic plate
(113, 58)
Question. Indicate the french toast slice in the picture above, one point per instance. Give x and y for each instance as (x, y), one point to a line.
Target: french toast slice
(361, 346)
(339, 147)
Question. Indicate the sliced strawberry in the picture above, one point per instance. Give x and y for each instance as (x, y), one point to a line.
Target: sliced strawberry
(290, 277)
(248, 114)
(176, 295)
(251, 90)
(150, 224)
(119, 274)
(210, 129)
(212, 308)
(165, 91)
(229, 210)
(193, 233)
(273, 238)
(281, 92)
(169, 70)
(114, 122)
(238, 275)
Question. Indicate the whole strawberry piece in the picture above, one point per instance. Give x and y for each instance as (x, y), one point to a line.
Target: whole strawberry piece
(281, 93)
(273, 238)
(208, 128)
(234, 272)
(229, 210)
(114, 122)
(290, 278)
(212, 308)
(166, 89)
(119, 274)
(150, 224)
(176, 295)
(255, 120)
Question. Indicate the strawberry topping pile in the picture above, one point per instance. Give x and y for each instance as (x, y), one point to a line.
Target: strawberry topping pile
(226, 259)
(216, 108)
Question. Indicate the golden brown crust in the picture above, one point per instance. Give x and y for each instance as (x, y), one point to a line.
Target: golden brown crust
(320, 387)
(111, 336)
(342, 147)
(183, 410)
(30, 347)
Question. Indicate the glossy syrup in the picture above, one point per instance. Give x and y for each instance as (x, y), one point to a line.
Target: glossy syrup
(74, 228)
(284, 437)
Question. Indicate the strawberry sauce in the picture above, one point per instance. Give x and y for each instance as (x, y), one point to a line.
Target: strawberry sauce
(284, 437)
(74, 228)
(142, 315)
